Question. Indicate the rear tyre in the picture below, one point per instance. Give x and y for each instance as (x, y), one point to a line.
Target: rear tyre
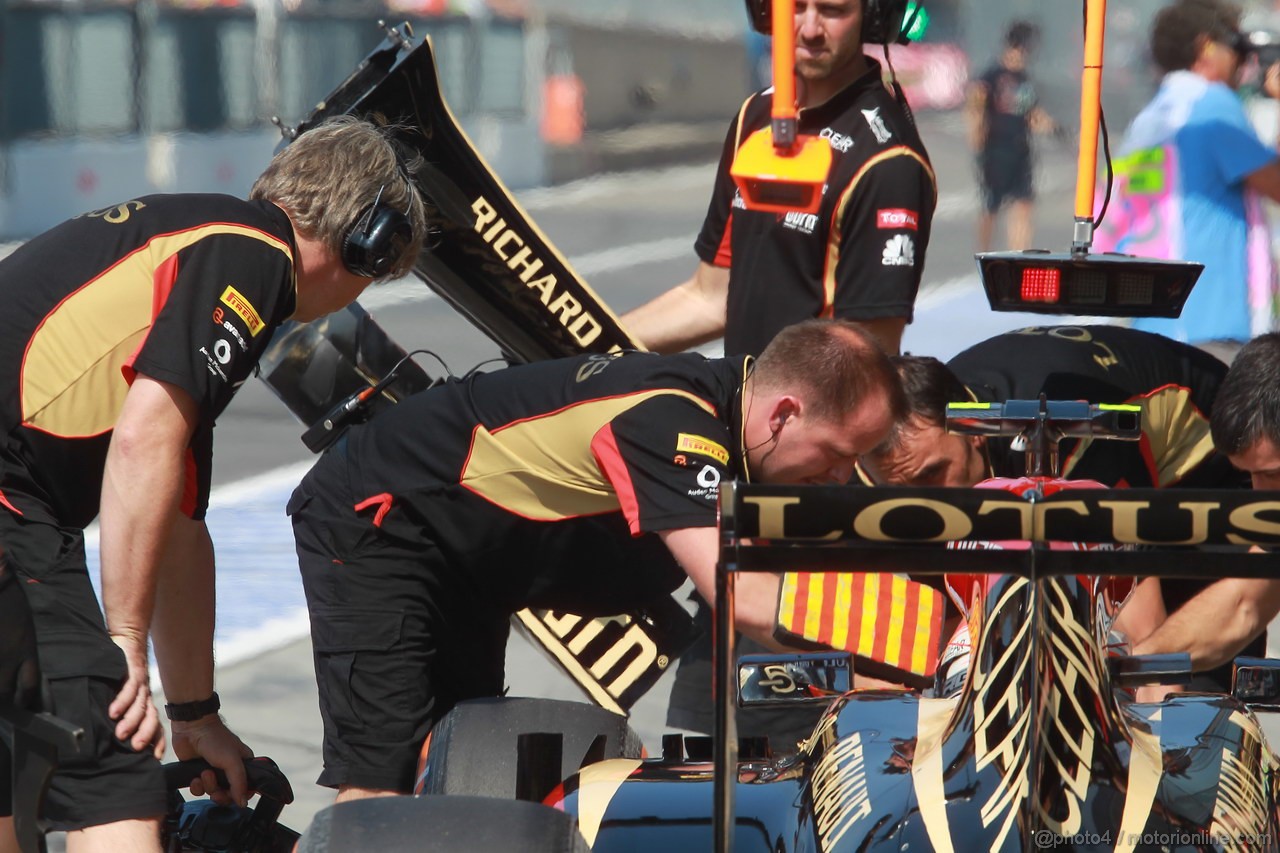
(474, 747)
(441, 825)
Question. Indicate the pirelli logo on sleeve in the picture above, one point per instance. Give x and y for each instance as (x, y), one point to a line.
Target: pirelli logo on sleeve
(243, 309)
(686, 443)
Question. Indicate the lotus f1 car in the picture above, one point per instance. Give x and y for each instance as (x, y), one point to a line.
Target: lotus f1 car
(1029, 738)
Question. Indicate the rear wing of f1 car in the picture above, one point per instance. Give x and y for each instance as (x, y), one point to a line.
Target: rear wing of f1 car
(1180, 533)
(490, 262)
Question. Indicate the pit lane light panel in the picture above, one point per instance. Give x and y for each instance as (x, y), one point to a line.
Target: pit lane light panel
(1099, 285)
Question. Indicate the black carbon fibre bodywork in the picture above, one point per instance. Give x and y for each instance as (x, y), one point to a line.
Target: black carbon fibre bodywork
(1040, 750)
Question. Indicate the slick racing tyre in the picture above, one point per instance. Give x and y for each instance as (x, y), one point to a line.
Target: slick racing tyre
(441, 825)
(473, 749)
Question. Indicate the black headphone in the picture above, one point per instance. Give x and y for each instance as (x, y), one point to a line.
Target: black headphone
(883, 21)
(376, 240)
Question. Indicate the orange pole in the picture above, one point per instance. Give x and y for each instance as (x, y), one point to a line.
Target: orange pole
(784, 72)
(1090, 109)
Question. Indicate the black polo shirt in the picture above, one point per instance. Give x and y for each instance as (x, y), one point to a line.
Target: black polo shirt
(185, 289)
(513, 475)
(861, 256)
(1173, 383)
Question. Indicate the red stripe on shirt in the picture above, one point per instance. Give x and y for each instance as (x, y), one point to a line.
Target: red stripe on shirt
(724, 252)
(162, 281)
(604, 446)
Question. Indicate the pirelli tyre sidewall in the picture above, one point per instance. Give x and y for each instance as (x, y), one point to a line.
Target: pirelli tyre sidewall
(441, 825)
(473, 749)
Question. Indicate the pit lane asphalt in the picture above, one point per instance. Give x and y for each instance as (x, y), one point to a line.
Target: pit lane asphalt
(630, 235)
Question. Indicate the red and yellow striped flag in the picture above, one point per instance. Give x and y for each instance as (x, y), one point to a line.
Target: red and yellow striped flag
(886, 621)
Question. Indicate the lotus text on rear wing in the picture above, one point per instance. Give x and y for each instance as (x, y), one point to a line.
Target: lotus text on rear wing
(1139, 517)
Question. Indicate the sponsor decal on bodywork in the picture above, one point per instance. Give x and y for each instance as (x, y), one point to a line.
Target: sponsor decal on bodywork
(512, 250)
(840, 795)
(1173, 517)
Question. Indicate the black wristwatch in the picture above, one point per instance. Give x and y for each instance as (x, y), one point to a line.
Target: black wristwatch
(185, 712)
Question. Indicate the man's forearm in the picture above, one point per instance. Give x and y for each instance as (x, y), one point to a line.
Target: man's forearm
(140, 495)
(1215, 625)
(685, 316)
(183, 621)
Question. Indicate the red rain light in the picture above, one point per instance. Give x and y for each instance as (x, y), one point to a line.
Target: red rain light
(1041, 284)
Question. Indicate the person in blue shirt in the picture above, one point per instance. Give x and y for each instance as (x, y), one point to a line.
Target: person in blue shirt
(1191, 175)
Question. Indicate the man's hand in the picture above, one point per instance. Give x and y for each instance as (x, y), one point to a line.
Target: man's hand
(210, 739)
(138, 721)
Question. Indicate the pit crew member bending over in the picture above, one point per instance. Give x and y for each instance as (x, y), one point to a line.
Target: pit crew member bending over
(125, 333)
(1246, 427)
(557, 485)
(1175, 384)
(860, 257)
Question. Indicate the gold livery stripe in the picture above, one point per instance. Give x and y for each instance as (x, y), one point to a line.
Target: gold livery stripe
(833, 238)
(926, 769)
(539, 468)
(72, 385)
(1178, 433)
(1145, 769)
(597, 784)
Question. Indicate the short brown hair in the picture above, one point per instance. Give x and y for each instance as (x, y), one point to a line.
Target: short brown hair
(1178, 27)
(928, 386)
(329, 175)
(833, 364)
(1246, 408)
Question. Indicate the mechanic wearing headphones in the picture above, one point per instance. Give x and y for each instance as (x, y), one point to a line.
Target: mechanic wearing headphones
(126, 332)
(1175, 384)
(860, 257)
(586, 484)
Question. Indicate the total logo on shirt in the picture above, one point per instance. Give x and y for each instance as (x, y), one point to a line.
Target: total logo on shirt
(899, 251)
(897, 219)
